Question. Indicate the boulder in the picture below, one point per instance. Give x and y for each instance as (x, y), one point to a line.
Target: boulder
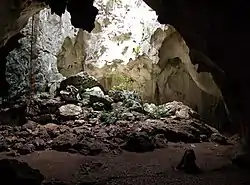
(108, 118)
(30, 125)
(12, 116)
(130, 99)
(24, 149)
(98, 106)
(70, 111)
(14, 172)
(96, 95)
(42, 104)
(174, 109)
(176, 130)
(160, 141)
(140, 143)
(64, 142)
(39, 144)
(91, 146)
(95, 91)
(70, 94)
(123, 95)
(81, 81)
(219, 138)
(50, 130)
(242, 160)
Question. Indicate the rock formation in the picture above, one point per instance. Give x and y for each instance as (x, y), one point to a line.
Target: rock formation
(15, 14)
(122, 31)
(172, 77)
(163, 73)
(220, 34)
(97, 123)
(33, 65)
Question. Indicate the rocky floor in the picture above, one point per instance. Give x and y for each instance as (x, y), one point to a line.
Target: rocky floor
(121, 123)
(82, 135)
(138, 168)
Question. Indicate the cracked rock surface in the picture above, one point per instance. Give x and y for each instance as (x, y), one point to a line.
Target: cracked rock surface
(96, 123)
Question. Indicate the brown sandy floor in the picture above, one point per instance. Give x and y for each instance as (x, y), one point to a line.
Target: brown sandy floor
(146, 169)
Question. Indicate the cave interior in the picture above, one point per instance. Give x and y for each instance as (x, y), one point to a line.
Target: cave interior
(220, 33)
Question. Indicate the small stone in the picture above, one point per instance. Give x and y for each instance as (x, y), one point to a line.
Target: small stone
(219, 138)
(80, 122)
(98, 106)
(127, 116)
(13, 154)
(31, 125)
(52, 130)
(73, 151)
(25, 149)
(70, 111)
(64, 142)
(122, 123)
(80, 81)
(21, 140)
(11, 139)
(160, 141)
(78, 131)
(39, 144)
(93, 121)
(204, 138)
(70, 94)
(23, 134)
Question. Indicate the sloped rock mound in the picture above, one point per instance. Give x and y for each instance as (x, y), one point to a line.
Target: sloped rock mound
(14, 172)
(97, 123)
(174, 109)
(219, 138)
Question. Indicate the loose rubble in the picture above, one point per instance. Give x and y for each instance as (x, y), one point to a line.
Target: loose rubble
(84, 119)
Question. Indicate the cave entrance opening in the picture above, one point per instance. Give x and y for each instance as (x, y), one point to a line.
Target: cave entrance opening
(127, 50)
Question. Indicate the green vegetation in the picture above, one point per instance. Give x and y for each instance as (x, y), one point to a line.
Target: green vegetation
(124, 82)
(137, 51)
(108, 118)
(121, 38)
(157, 111)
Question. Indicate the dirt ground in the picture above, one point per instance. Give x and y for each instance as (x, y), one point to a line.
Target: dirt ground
(141, 168)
